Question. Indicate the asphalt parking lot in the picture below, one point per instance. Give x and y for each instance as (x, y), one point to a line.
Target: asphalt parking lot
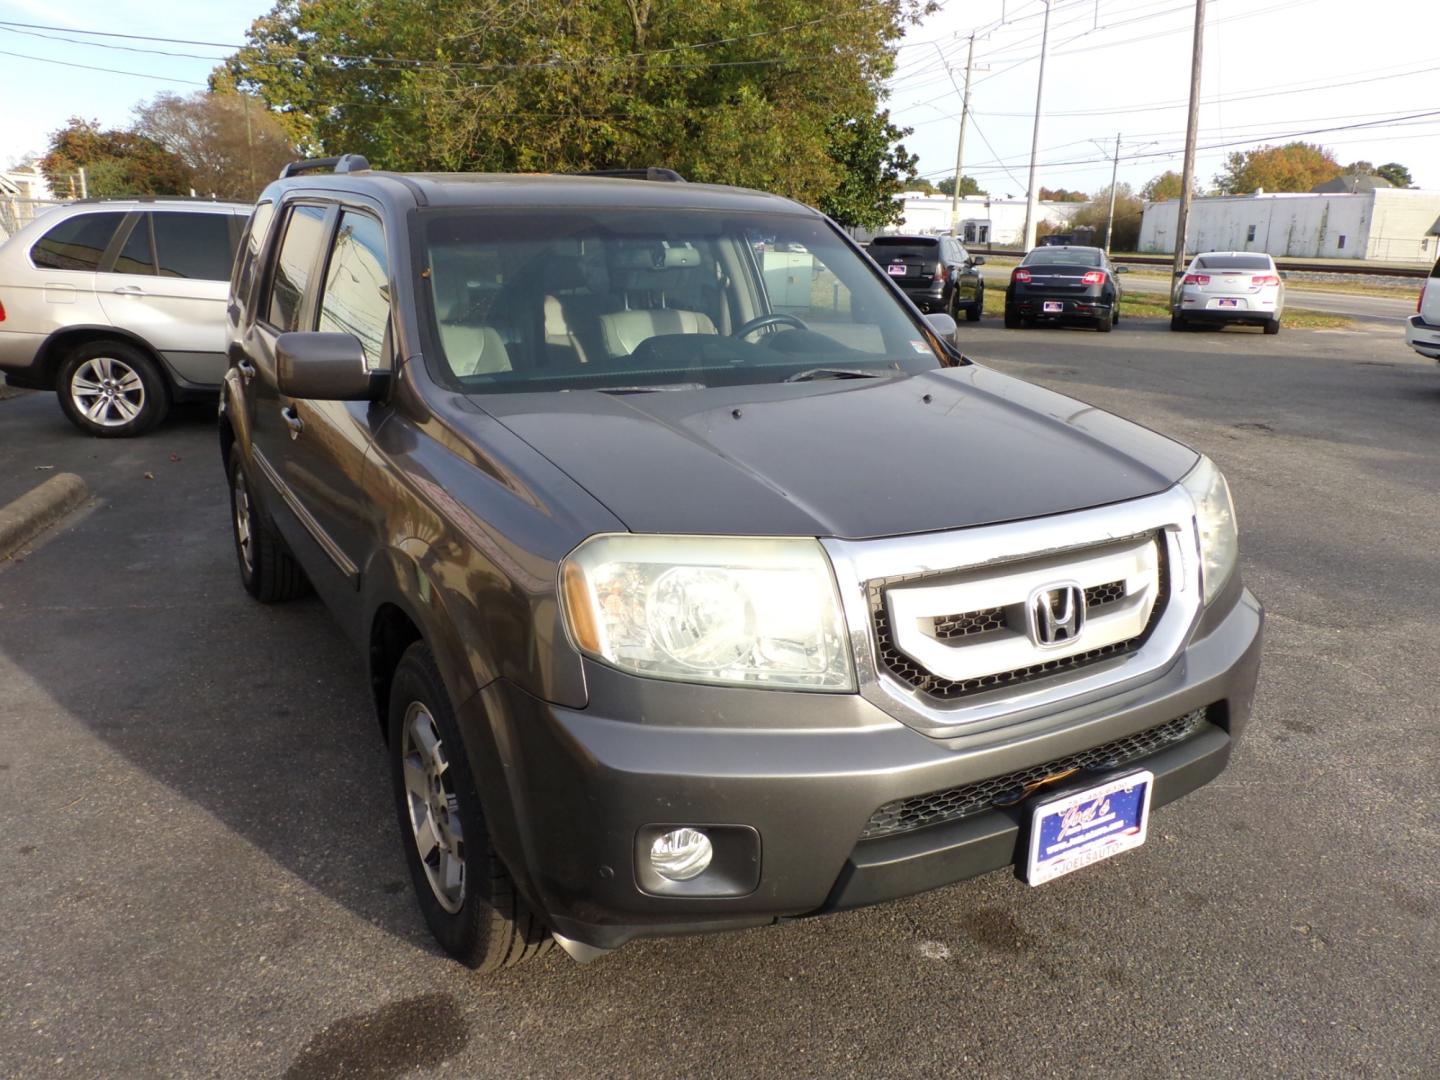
(200, 873)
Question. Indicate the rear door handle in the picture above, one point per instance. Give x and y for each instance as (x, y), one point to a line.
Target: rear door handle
(246, 369)
(130, 290)
(293, 421)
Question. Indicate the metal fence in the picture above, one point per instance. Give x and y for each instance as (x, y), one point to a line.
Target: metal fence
(16, 213)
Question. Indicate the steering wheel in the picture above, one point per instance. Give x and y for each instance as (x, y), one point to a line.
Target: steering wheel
(762, 321)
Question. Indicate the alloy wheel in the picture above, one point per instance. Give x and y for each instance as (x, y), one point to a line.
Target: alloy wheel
(107, 392)
(434, 809)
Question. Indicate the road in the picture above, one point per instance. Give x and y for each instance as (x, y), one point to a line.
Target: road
(201, 875)
(1389, 311)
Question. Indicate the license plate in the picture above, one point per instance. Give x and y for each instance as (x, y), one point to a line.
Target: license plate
(1054, 307)
(1076, 830)
(1227, 303)
(896, 270)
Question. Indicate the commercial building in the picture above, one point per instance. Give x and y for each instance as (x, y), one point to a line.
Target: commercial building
(982, 220)
(1384, 223)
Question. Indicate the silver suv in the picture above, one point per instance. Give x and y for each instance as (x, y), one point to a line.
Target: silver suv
(119, 306)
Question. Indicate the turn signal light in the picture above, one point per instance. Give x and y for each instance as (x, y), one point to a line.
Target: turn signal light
(939, 274)
(1093, 277)
(1197, 279)
(1019, 274)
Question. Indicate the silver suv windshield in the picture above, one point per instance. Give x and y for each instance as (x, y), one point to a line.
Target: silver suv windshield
(639, 300)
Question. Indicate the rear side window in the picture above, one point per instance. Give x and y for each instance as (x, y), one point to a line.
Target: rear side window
(293, 265)
(357, 285)
(255, 234)
(196, 246)
(137, 256)
(76, 243)
(1233, 262)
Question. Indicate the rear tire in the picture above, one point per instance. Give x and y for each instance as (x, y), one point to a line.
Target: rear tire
(465, 892)
(1177, 323)
(1272, 326)
(267, 569)
(112, 390)
(1106, 323)
(1012, 320)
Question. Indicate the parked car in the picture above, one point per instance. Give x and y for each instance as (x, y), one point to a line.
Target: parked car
(1064, 284)
(936, 272)
(1244, 288)
(119, 307)
(1422, 331)
(683, 613)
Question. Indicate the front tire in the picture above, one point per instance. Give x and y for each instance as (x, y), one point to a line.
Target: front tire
(267, 569)
(464, 890)
(111, 390)
(972, 313)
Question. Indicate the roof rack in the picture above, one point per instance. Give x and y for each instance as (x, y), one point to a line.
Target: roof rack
(651, 173)
(345, 163)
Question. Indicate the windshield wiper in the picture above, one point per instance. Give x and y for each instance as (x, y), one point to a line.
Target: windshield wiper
(651, 389)
(835, 373)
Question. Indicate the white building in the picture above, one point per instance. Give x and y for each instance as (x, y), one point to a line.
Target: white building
(982, 219)
(1387, 224)
(23, 194)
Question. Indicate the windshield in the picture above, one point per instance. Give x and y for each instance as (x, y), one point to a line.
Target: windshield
(1233, 262)
(1063, 257)
(637, 300)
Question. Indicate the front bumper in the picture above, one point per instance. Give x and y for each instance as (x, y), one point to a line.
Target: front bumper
(1422, 337)
(805, 772)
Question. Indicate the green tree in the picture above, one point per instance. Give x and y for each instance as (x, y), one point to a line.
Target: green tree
(1397, 174)
(230, 143)
(1296, 166)
(734, 91)
(1129, 209)
(115, 162)
(968, 186)
(874, 169)
(1168, 185)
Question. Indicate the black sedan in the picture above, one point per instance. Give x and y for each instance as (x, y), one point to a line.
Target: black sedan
(1064, 284)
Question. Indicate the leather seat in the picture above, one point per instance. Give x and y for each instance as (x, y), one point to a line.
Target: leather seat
(623, 331)
(473, 350)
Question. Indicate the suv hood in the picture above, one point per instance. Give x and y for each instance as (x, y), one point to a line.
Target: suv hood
(842, 458)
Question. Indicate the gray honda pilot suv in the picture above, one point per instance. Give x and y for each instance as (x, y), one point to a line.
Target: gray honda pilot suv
(703, 583)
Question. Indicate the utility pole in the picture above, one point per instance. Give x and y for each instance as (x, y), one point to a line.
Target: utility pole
(960, 147)
(1114, 175)
(249, 145)
(1032, 197)
(1191, 130)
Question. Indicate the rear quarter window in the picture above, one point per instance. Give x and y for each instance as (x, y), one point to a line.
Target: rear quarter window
(76, 243)
(193, 245)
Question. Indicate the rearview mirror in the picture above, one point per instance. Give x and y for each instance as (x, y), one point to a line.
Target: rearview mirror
(943, 325)
(325, 367)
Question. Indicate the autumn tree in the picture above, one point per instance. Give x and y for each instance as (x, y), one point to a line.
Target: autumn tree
(1129, 210)
(1295, 166)
(230, 143)
(116, 162)
(968, 186)
(774, 94)
(1062, 195)
(1168, 185)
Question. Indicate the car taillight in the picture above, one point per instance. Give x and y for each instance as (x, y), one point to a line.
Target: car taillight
(1197, 279)
(2, 309)
(939, 274)
(1093, 277)
(1019, 274)
(1264, 279)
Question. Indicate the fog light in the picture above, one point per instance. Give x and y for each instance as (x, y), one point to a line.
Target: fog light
(681, 854)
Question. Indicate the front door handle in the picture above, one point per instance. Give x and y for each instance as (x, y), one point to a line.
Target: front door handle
(246, 369)
(293, 421)
(130, 290)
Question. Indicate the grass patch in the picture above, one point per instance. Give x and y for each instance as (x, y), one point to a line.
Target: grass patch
(1151, 306)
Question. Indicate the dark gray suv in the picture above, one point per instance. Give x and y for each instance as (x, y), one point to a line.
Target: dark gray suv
(702, 583)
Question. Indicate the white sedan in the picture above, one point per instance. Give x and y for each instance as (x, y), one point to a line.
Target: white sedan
(1423, 332)
(1243, 287)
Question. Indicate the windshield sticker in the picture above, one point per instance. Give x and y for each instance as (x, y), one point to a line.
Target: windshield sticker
(919, 346)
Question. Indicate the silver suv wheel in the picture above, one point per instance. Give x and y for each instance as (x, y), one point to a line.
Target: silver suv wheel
(107, 391)
(434, 809)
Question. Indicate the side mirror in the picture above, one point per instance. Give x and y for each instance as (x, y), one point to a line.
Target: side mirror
(943, 325)
(1122, 269)
(977, 260)
(1179, 273)
(1284, 275)
(325, 367)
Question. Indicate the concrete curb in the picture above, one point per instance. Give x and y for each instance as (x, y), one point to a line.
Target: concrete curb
(29, 515)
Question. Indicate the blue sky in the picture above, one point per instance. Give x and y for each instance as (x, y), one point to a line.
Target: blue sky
(1272, 68)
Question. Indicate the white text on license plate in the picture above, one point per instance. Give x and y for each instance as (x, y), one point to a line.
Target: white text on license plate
(896, 269)
(1076, 830)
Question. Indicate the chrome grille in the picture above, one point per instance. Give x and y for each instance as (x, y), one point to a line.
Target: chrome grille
(952, 804)
(993, 623)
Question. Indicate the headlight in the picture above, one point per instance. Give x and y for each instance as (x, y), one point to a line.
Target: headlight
(1215, 520)
(739, 611)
